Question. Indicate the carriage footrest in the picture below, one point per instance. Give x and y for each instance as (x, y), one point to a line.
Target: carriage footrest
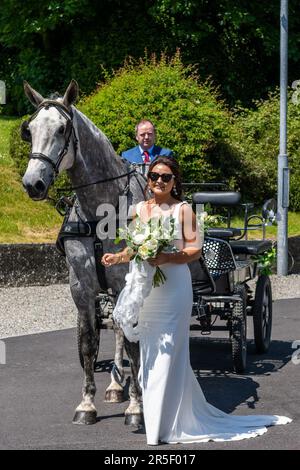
(241, 264)
(250, 247)
(221, 298)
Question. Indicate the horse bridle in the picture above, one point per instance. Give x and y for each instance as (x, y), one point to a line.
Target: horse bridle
(68, 115)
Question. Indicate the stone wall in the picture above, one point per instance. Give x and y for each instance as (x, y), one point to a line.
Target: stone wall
(31, 264)
(41, 264)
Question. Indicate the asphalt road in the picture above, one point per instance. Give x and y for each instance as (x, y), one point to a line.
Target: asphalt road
(40, 386)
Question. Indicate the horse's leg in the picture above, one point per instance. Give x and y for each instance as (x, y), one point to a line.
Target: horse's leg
(114, 392)
(86, 412)
(84, 287)
(134, 412)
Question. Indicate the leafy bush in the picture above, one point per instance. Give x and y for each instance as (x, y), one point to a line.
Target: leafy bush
(18, 149)
(188, 116)
(254, 138)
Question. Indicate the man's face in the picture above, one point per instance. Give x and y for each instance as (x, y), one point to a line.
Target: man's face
(145, 135)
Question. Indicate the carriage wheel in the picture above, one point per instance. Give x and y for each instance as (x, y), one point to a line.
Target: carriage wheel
(262, 314)
(239, 330)
(97, 332)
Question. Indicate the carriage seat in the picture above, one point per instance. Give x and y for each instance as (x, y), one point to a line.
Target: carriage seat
(223, 232)
(217, 198)
(250, 247)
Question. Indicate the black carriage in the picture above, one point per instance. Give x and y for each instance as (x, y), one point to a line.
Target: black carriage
(221, 287)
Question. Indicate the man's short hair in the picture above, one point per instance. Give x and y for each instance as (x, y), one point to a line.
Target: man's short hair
(144, 121)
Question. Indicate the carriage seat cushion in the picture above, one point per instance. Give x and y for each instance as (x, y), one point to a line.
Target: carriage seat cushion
(223, 232)
(217, 198)
(250, 247)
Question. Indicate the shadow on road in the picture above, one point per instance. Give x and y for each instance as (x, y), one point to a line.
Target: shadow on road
(212, 364)
(214, 354)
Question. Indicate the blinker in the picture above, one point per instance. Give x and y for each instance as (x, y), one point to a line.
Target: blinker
(25, 132)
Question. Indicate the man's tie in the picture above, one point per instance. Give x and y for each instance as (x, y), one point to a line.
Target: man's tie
(146, 156)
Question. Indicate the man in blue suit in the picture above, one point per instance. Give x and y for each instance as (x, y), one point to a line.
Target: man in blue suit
(146, 150)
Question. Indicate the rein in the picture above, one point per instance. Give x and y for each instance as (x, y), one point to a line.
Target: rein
(73, 188)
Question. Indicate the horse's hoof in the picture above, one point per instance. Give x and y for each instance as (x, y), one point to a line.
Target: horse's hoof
(85, 417)
(135, 420)
(114, 396)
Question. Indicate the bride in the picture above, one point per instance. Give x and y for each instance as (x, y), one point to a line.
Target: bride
(175, 409)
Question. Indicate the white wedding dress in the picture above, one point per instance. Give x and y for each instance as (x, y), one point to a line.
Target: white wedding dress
(175, 409)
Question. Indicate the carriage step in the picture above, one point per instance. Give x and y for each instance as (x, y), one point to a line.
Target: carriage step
(197, 327)
(221, 298)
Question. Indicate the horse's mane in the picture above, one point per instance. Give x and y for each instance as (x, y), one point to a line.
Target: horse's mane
(54, 96)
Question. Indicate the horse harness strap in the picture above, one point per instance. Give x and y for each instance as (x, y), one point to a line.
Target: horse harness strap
(71, 230)
(78, 229)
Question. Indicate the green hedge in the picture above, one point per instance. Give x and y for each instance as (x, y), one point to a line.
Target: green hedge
(188, 116)
(254, 137)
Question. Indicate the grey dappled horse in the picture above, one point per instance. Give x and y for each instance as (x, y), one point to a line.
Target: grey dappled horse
(63, 138)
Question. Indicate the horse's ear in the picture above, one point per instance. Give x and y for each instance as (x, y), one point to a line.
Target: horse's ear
(71, 93)
(34, 97)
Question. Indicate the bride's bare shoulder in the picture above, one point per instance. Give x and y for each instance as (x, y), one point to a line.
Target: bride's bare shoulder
(186, 211)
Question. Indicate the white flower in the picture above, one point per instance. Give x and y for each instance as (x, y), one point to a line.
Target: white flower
(151, 244)
(202, 216)
(138, 238)
(143, 251)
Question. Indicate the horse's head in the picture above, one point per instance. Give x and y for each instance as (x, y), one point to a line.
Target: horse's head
(49, 130)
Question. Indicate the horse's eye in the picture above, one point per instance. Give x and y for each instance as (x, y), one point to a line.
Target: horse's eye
(61, 130)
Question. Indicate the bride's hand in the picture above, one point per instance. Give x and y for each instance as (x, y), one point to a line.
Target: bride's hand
(109, 259)
(161, 258)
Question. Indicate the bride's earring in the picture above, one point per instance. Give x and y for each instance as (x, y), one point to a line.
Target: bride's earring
(174, 190)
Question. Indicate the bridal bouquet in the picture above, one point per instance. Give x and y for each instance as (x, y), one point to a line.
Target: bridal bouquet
(148, 239)
(145, 240)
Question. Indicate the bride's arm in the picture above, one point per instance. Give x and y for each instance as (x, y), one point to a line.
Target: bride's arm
(124, 256)
(192, 240)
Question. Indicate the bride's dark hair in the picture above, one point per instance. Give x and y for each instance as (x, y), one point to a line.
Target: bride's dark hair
(174, 167)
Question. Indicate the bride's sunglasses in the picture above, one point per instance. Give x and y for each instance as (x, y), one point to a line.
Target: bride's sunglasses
(166, 177)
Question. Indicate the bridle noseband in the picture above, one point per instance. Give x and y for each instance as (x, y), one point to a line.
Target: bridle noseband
(68, 115)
